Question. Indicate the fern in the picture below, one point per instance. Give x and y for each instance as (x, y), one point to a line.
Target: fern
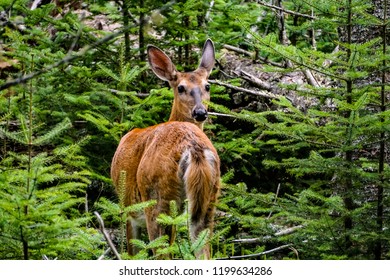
(145, 248)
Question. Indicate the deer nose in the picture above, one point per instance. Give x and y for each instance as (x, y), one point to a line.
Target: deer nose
(199, 114)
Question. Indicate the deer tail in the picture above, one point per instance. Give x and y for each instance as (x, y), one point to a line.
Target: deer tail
(199, 169)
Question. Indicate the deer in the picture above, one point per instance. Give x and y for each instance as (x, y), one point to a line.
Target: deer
(174, 160)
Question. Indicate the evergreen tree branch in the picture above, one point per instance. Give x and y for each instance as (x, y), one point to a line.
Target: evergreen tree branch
(285, 10)
(382, 146)
(293, 60)
(66, 60)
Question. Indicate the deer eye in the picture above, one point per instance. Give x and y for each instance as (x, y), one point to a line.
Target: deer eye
(181, 89)
(207, 87)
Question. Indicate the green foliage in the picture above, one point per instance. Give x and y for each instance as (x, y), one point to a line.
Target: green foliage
(37, 222)
(160, 245)
(183, 247)
(40, 198)
(117, 214)
(308, 175)
(322, 148)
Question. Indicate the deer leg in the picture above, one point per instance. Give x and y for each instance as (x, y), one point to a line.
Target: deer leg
(151, 225)
(198, 224)
(133, 231)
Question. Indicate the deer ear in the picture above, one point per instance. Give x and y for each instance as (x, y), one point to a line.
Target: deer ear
(161, 64)
(208, 56)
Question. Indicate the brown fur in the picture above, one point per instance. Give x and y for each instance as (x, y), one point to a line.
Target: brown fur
(173, 160)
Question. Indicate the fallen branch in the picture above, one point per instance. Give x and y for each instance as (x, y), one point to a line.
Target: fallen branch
(35, 4)
(253, 56)
(238, 50)
(250, 240)
(328, 62)
(261, 84)
(106, 236)
(262, 239)
(310, 78)
(258, 254)
(104, 254)
(288, 230)
(254, 92)
(254, 80)
(126, 92)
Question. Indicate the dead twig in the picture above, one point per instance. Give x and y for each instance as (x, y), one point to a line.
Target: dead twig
(126, 92)
(254, 80)
(254, 56)
(35, 4)
(254, 92)
(276, 197)
(262, 239)
(288, 230)
(104, 254)
(328, 62)
(221, 115)
(310, 78)
(285, 10)
(258, 254)
(106, 236)
(238, 50)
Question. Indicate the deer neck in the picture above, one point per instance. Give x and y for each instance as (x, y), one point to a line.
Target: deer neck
(177, 115)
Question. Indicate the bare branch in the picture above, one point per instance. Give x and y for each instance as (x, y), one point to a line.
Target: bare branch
(254, 80)
(288, 230)
(285, 10)
(328, 62)
(35, 4)
(106, 236)
(207, 17)
(254, 92)
(262, 239)
(259, 254)
(276, 197)
(310, 78)
(253, 55)
(249, 240)
(237, 50)
(126, 92)
(221, 115)
(104, 254)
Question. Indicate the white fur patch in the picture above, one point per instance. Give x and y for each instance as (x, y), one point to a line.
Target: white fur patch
(210, 158)
(184, 164)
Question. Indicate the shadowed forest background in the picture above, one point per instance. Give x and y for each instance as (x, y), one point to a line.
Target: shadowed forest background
(299, 115)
